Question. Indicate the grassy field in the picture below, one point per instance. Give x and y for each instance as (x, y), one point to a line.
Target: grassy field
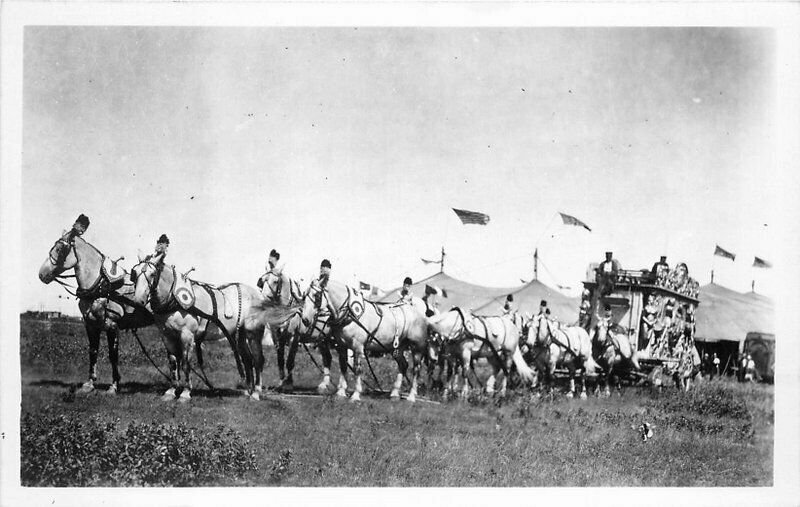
(719, 434)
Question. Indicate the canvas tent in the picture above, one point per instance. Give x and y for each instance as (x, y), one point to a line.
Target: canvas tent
(459, 293)
(527, 299)
(725, 317)
(489, 300)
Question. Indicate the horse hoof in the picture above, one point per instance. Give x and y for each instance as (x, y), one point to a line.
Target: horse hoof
(322, 389)
(583, 396)
(255, 396)
(86, 388)
(184, 399)
(411, 398)
(395, 395)
(112, 390)
(168, 397)
(355, 398)
(570, 395)
(341, 393)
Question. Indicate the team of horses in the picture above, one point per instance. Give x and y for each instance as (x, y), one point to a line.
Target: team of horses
(329, 315)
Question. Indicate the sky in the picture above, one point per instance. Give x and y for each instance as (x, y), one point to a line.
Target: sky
(353, 144)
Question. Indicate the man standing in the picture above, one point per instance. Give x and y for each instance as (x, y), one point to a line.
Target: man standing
(715, 361)
(607, 273)
(660, 271)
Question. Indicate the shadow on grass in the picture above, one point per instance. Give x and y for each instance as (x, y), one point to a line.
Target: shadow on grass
(127, 388)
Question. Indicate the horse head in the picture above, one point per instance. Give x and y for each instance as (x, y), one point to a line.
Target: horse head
(314, 302)
(541, 329)
(61, 257)
(446, 327)
(145, 276)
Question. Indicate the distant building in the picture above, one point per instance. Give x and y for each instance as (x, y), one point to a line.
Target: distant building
(44, 315)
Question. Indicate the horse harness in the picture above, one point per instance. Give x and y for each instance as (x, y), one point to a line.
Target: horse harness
(102, 287)
(171, 304)
(554, 339)
(467, 333)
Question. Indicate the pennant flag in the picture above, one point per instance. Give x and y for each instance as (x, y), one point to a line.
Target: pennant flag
(523, 281)
(570, 220)
(724, 253)
(364, 286)
(435, 290)
(471, 217)
(444, 293)
(426, 261)
(761, 263)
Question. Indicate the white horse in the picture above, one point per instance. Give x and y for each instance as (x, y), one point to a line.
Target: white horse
(234, 308)
(614, 354)
(469, 337)
(294, 332)
(364, 326)
(567, 346)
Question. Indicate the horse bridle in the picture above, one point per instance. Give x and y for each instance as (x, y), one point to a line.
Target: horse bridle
(152, 287)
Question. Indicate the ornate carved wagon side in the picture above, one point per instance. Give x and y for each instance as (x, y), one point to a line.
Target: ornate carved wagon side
(655, 310)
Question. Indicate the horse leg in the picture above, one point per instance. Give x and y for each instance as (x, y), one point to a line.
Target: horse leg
(288, 384)
(280, 347)
(325, 352)
(187, 346)
(358, 355)
(571, 392)
(583, 384)
(490, 382)
(415, 369)
(247, 361)
(237, 356)
(402, 367)
(257, 353)
(112, 337)
(504, 383)
(93, 333)
(172, 359)
(342, 352)
(466, 366)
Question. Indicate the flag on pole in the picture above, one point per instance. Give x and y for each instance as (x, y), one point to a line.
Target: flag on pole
(426, 261)
(471, 217)
(571, 220)
(364, 286)
(761, 263)
(724, 253)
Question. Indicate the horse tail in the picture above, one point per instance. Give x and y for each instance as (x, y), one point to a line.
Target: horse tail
(522, 367)
(270, 314)
(590, 365)
(635, 360)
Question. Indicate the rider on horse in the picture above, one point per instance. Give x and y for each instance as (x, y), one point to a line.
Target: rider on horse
(324, 270)
(80, 225)
(431, 304)
(405, 293)
(508, 308)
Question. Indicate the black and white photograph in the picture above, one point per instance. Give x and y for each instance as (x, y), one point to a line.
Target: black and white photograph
(481, 249)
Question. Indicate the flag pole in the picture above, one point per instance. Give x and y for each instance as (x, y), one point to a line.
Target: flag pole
(441, 262)
(536, 264)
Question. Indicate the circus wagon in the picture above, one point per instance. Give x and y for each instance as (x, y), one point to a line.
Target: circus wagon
(654, 309)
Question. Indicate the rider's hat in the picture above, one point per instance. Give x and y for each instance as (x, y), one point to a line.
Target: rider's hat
(663, 258)
(325, 263)
(407, 281)
(163, 239)
(510, 297)
(275, 254)
(609, 254)
(543, 303)
(81, 224)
